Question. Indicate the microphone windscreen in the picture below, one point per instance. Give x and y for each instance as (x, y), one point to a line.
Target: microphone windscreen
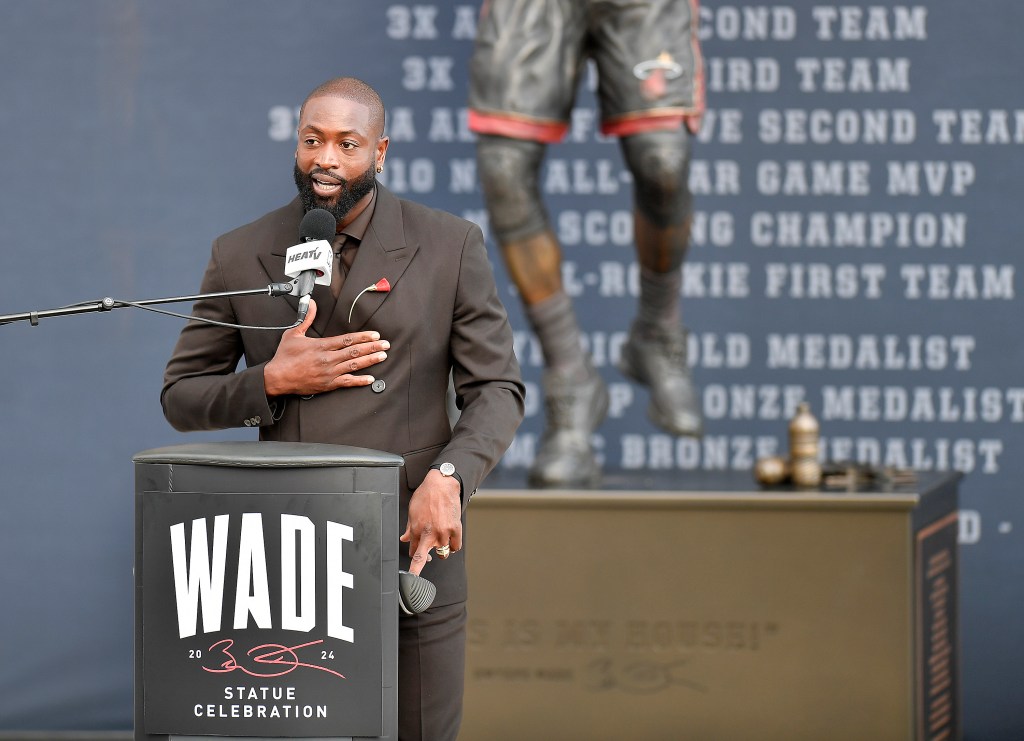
(415, 594)
(318, 223)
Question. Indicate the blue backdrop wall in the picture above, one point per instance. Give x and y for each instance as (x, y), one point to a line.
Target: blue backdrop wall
(857, 185)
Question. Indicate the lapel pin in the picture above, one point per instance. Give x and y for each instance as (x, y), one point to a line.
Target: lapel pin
(381, 286)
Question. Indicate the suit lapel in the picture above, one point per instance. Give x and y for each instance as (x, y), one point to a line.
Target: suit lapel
(383, 253)
(271, 251)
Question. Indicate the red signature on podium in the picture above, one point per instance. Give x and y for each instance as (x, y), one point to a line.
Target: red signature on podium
(267, 660)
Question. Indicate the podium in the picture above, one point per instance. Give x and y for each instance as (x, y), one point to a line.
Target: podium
(701, 607)
(265, 591)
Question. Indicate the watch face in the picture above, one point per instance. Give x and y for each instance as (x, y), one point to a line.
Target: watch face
(447, 469)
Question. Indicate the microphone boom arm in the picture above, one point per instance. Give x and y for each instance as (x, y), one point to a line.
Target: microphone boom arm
(109, 304)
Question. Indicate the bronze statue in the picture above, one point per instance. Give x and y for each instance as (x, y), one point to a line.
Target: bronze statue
(524, 74)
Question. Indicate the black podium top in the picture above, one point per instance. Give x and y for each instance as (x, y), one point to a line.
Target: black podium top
(254, 454)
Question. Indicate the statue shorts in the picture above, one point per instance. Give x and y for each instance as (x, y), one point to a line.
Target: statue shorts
(529, 57)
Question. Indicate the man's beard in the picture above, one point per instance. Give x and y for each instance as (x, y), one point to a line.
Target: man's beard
(347, 197)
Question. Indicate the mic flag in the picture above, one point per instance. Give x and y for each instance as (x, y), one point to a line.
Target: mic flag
(316, 256)
(314, 252)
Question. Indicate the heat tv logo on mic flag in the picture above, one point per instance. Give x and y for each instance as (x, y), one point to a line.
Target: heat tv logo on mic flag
(316, 256)
(314, 253)
(309, 254)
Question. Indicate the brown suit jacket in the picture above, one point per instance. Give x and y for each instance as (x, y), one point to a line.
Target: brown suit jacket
(442, 314)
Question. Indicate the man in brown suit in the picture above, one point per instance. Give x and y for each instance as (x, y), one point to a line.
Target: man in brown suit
(376, 381)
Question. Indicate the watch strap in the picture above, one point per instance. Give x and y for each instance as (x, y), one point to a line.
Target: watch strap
(454, 474)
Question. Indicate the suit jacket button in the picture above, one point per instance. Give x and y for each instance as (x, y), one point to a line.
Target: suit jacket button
(378, 386)
(248, 423)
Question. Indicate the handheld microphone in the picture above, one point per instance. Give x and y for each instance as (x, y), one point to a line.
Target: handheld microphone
(310, 262)
(415, 594)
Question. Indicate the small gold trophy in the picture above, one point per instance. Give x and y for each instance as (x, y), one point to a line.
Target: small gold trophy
(804, 440)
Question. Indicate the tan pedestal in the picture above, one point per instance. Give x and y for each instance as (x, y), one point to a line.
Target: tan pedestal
(720, 612)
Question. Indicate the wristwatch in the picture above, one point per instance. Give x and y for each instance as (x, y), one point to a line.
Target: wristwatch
(448, 469)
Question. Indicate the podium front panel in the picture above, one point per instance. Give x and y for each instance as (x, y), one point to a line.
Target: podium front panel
(266, 592)
(273, 614)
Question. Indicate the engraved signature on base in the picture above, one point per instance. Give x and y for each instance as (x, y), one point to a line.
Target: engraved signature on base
(639, 677)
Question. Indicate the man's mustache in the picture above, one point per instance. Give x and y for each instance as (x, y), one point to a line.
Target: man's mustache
(329, 176)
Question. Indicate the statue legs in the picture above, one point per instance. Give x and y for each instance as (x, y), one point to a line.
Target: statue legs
(655, 353)
(576, 399)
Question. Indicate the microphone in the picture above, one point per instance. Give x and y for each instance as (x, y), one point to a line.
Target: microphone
(310, 262)
(415, 594)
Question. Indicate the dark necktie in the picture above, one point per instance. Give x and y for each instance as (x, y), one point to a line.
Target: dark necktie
(344, 256)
